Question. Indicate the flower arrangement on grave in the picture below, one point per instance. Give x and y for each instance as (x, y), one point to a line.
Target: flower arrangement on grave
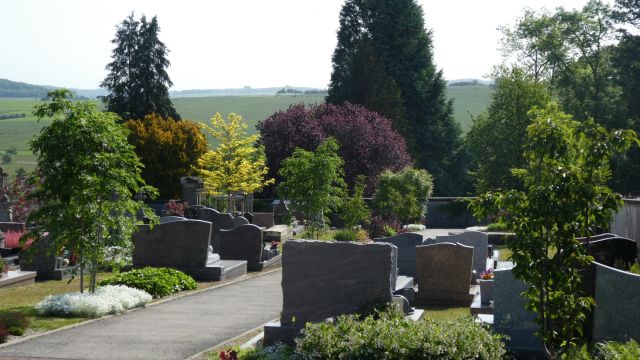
(176, 208)
(274, 244)
(487, 274)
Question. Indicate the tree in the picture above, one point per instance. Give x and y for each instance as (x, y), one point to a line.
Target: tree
(404, 194)
(85, 177)
(354, 210)
(390, 38)
(236, 165)
(313, 181)
(138, 81)
(367, 142)
(168, 149)
(564, 197)
(506, 119)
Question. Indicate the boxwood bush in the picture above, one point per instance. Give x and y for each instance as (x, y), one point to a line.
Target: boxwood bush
(388, 335)
(158, 282)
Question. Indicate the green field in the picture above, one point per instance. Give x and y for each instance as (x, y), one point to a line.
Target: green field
(17, 132)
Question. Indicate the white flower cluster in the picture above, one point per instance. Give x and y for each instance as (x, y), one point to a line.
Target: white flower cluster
(110, 299)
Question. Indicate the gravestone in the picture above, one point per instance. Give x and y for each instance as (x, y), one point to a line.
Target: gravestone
(170, 218)
(443, 271)
(265, 220)
(240, 220)
(183, 245)
(322, 279)
(616, 316)
(510, 316)
(406, 244)
(48, 266)
(218, 222)
(248, 216)
(281, 213)
(277, 233)
(245, 243)
(479, 241)
(191, 189)
(610, 250)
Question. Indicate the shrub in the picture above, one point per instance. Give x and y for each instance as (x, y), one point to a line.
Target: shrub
(618, 351)
(403, 194)
(368, 144)
(15, 322)
(381, 227)
(158, 282)
(345, 235)
(388, 335)
(635, 268)
(105, 300)
(4, 333)
(168, 149)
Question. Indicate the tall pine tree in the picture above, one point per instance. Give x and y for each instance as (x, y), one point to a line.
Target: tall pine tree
(138, 81)
(387, 40)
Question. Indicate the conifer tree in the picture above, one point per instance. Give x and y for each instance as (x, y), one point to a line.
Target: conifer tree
(138, 82)
(387, 39)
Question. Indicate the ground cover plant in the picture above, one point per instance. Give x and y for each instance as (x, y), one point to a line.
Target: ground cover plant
(158, 282)
(108, 299)
(14, 321)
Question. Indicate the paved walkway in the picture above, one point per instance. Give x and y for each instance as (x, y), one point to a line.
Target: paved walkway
(175, 329)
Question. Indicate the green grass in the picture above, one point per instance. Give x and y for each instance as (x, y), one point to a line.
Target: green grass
(445, 313)
(18, 132)
(24, 299)
(469, 100)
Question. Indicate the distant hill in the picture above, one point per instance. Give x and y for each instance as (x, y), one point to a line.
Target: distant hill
(15, 89)
(245, 91)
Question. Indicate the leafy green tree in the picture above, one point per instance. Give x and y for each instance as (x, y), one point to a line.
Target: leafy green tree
(354, 209)
(404, 194)
(564, 197)
(313, 181)
(86, 176)
(497, 137)
(168, 149)
(384, 52)
(138, 82)
(236, 165)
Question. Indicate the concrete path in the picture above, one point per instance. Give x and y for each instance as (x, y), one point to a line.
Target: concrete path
(175, 329)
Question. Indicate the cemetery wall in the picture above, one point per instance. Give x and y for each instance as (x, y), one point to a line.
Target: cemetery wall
(449, 212)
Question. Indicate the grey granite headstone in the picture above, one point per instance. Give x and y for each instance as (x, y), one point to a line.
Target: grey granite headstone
(170, 218)
(406, 244)
(242, 243)
(479, 241)
(616, 316)
(510, 316)
(443, 271)
(323, 279)
(240, 220)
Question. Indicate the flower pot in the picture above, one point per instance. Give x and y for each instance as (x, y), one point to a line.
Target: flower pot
(486, 291)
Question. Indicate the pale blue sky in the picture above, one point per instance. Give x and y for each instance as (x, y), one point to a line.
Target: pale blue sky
(220, 44)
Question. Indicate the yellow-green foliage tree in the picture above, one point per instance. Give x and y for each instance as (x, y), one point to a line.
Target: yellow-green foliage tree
(169, 149)
(236, 165)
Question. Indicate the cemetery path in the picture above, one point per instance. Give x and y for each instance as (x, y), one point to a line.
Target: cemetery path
(175, 329)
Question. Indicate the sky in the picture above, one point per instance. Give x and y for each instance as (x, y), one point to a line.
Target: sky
(233, 43)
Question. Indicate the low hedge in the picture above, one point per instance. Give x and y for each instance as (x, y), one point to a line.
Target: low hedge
(158, 282)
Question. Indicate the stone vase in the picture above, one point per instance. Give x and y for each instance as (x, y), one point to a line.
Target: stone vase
(486, 291)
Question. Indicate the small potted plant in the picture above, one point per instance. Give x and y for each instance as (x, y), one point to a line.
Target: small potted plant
(274, 247)
(486, 286)
(4, 268)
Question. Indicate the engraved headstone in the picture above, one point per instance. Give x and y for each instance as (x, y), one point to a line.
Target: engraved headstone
(479, 241)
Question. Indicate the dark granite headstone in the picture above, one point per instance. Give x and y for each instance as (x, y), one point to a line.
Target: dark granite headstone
(510, 316)
(218, 222)
(265, 220)
(248, 216)
(47, 265)
(616, 316)
(610, 250)
(242, 243)
(406, 244)
(170, 218)
(443, 272)
(323, 279)
(281, 213)
(479, 241)
(240, 220)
